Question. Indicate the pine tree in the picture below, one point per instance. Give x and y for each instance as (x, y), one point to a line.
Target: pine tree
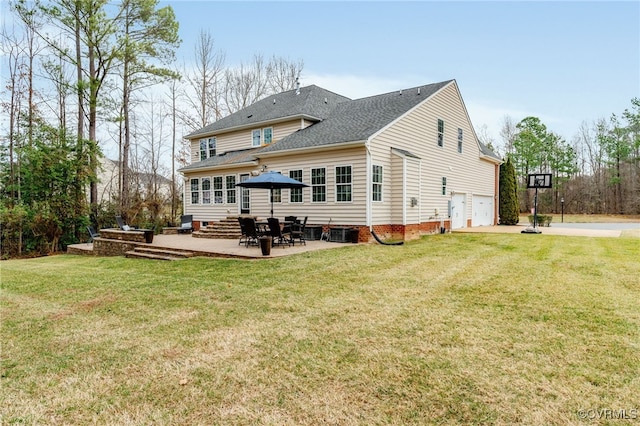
(509, 209)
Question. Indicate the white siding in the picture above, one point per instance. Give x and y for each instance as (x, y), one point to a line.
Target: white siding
(417, 133)
(241, 139)
(351, 213)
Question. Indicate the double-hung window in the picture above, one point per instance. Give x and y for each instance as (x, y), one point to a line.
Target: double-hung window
(267, 135)
(376, 180)
(440, 132)
(203, 149)
(460, 140)
(217, 190)
(343, 184)
(275, 195)
(231, 189)
(206, 190)
(212, 147)
(295, 194)
(444, 186)
(255, 137)
(195, 191)
(319, 185)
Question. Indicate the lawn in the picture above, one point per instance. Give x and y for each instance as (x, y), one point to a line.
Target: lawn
(452, 329)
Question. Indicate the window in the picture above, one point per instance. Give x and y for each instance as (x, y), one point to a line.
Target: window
(195, 191)
(206, 190)
(343, 184)
(207, 148)
(203, 149)
(231, 189)
(212, 147)
(255, 138)
(440, 132)
(460, 140)
(264, 136)
(444, 186)
(276, 195)
(217, 190)
(267, 135)
(295, 194)
(318, 185)
(376, 178)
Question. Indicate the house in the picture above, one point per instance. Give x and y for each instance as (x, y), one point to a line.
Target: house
(148, 185)
(401, 164)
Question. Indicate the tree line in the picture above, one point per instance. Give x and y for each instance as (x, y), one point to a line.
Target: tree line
(598, 172)
(87, 76)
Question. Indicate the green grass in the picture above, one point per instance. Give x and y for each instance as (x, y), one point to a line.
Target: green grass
(451, 329)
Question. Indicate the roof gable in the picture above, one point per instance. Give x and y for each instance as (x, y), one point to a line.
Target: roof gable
(359, 119)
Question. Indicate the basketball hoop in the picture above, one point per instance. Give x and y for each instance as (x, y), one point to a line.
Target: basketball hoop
(539, 180)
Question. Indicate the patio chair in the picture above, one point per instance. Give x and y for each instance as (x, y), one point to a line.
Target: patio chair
(298, 232)
(243, 230)
(186, 224)
(123, 226)
(251, 230)
(276, 233)
(288, 222)
(92, 234)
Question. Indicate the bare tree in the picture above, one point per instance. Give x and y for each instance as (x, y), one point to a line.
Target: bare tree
(283, 74)
(206, 81)
(508, 134)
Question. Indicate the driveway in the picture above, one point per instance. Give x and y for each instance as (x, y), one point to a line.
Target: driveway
(572, 229)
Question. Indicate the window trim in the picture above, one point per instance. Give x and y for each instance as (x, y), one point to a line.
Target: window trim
(253, 137)
(195, 191)
(315, 185)
(218, 192)
(375, 183)
(264, 137)
(260, 135)
(440, 139)
(296, 190)
(444, 185)
(212, 151)
(348, 184)
(203, 191)
(230, 192)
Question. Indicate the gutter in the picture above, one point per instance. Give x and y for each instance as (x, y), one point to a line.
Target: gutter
(321, 148)
(260, 124)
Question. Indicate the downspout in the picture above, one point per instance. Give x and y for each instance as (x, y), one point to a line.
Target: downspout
(368, 204)
(404, 191)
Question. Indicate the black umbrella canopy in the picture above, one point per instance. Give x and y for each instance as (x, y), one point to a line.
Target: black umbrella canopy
(271, 180)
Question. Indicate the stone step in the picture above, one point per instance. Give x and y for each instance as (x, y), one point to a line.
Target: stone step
(227, 228)
(217, 235)
(160, 254)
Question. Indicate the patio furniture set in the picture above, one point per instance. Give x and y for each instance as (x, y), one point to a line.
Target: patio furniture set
(272, 232)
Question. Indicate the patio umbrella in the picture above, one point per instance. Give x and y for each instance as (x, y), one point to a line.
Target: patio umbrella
(271, 181)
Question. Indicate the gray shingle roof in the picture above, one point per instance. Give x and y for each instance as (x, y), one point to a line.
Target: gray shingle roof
(231, 157)
(488, 151)
(313, 101)
(358, 119)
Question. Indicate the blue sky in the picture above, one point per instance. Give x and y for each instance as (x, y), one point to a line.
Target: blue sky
(564, 62)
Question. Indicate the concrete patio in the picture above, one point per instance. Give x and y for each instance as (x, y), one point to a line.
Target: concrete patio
(208, 247)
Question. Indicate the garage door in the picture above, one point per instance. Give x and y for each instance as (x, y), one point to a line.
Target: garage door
(482, 211)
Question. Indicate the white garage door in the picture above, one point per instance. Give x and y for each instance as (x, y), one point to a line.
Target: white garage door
(458, 211)
(482, 211)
